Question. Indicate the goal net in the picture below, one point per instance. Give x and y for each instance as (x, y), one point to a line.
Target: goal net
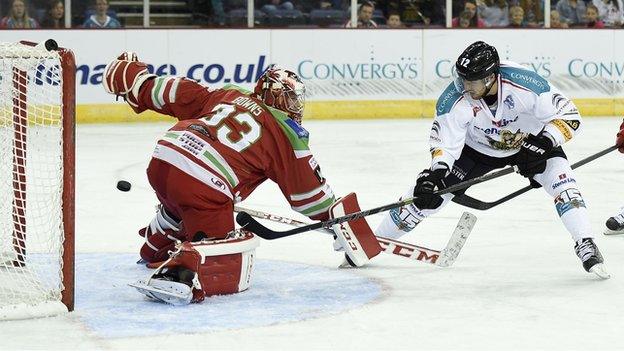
(37, 88)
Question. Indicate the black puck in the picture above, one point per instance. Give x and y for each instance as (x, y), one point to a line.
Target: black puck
(51, 45)
(123, 185)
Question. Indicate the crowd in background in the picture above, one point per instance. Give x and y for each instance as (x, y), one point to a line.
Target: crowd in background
(51, 14)
(317, 13)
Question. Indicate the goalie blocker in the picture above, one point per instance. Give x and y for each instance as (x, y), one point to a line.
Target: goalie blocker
(354, 236)
(200, 269)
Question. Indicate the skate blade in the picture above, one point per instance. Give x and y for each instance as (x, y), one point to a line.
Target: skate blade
(346, 263)
(176, 294)
(600, 270)
(608, 231)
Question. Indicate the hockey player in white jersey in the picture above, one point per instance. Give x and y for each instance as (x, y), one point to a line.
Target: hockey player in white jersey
(496, 114)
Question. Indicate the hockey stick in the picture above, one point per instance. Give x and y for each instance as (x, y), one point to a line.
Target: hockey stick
(444, 258)
(471, 202)
(249, 223)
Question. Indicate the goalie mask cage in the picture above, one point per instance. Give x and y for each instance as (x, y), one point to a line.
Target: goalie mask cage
(37, 134)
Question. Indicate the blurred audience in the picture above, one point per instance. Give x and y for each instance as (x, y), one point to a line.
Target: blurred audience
(533, 12)
(394, 21)
(330, 5)
(17, 17)
(555, 20)
(464, 19)
(218, 12)
(516, 17)
(592, 18)
(205, 12)
(495, 13)
(470, 6)
(399, 13)
(610, 12)
(54, 16)
(417, 12)
(101, 19)
(434, 10)
(365, 16)
(572, 12)
(272, 6)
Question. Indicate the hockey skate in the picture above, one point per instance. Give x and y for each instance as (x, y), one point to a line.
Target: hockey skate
(615, 224)
(592, 260)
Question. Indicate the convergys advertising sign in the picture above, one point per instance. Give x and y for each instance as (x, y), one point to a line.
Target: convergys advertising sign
(348, 73)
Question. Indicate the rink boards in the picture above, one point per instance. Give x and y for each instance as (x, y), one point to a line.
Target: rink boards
(349, 73)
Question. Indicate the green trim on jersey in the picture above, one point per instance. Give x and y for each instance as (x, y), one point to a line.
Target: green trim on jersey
(318, 208)
(297, 141)
(210, 156)
(224, 172)
(236, 87)
(525, 78)
(447, 100)
(158, 91)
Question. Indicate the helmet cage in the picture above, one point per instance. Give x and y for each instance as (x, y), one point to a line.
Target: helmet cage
(283, 90)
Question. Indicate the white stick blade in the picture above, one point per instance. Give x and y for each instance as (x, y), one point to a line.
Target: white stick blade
(463, 229)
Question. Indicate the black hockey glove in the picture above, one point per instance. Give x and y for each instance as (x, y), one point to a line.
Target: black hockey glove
(429, 181)
(534, 152)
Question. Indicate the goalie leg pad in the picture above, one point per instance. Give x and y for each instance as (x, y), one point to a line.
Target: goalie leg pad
(355, 236)
(219, 267)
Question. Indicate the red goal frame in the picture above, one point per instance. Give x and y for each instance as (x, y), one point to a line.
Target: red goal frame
(20, 149)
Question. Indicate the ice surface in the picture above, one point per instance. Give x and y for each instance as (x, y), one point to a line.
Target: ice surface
(516, 285)
(281, 292)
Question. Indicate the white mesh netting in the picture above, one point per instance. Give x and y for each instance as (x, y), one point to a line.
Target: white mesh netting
(31, 173)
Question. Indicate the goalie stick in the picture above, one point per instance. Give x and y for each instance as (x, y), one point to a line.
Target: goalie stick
(443, 258)
(249, 223)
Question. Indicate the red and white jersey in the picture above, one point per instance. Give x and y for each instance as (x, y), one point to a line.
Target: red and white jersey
(232, 142)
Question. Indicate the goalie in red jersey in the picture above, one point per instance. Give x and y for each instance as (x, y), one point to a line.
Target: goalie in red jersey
(226, 143)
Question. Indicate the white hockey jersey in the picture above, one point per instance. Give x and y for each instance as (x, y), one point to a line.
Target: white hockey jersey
(527, 103)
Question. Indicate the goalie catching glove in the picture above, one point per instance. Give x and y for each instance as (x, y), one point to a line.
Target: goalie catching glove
(124, 76)
(354, 236)
(204, 268)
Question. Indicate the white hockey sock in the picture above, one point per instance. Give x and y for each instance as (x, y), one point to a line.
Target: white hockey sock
(558, 180)
(576, 221)
(400, 221)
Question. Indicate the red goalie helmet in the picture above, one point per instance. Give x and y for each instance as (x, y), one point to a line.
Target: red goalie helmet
(282, 89)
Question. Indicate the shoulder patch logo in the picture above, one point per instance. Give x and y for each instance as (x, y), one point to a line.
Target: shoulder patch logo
(301, 132)
(435, 132)
(475, 110)
(509, 102)
(201, 130)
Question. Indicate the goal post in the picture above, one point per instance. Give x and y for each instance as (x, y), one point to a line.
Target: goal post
(37, 173)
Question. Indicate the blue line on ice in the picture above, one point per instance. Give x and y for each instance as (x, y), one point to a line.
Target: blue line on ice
(280, 292)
